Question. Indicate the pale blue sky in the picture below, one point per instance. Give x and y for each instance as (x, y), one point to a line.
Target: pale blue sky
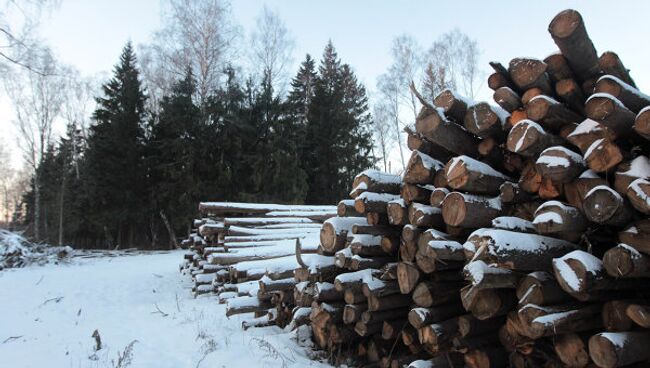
(90, 33)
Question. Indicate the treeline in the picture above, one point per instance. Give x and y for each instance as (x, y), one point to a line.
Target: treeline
(135, 177)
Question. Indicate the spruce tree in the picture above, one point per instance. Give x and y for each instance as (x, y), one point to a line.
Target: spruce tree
(172, 155)
(115, 168)
(276, 167)
(338, 141)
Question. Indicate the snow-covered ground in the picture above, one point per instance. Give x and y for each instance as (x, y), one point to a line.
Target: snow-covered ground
(48, 315)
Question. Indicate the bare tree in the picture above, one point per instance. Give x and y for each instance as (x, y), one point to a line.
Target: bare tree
(18, 23)
(37, 99)
(271, 48)
(7, 174)
(406, 67)
(394, 84)
(198, 34)
(383, 131)
(452, 62)
(389, 88)
(78, 105)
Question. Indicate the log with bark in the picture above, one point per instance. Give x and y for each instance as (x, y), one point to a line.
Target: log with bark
(559, 164)
(470, 211)
(570, 35)
(616, 349)
(560, 220)
(467, 174)
(529, 139)
(550, 113)
(453, 104)
(609, 111)
(583, 276)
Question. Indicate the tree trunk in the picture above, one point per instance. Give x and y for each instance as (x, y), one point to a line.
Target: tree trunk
(470, 211)
(625, 261)
(529, 139)
(540, 288)
(603, 205)
(530, 73)
(550, 114)
(560, 165)
(467, 174)
(615, 349)
(610, 112)
(569, 33)
(610, 63)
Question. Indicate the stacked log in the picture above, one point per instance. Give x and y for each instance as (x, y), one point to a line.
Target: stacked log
(245, 254)
(531, 250)
(518, 234)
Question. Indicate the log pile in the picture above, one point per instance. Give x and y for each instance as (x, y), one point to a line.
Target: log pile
(522, 227)
(518, 234)
(245, 254)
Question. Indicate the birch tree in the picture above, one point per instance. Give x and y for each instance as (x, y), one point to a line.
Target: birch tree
(383, 132)
(37, 98)
(271, 49)
(198, 34)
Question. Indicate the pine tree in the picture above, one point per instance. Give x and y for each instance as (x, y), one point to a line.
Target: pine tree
(115, 169)
(338, 141)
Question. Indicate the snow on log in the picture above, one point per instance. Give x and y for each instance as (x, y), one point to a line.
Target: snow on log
(421, 168)
(558, 219)
(422, 215)
(529, 73)
(625, 261)
(616, 349)
(583, 276)
(529, 139)
(540, 288)
(550, 114)
(642, 123)
(226, 208)
(260, 221)
(378, 181)
(513, 223)
(628, 171)
(453, 105)
(335, 231)
(484, 276)
(485, 120)
(434, 126)
(470, 211)
(467, 174)
(587, 132)
(603, 155)
(246, 304)
(560, 164)
(609, 111)
(373, 202)
(319, 216)
(631, 97)
(637, 235)
(514, 250)
(259, 253)
(639, 195)
(603, 205)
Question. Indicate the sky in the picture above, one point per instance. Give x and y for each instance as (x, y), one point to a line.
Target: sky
(90, 34)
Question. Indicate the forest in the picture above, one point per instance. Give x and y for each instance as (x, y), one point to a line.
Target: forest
(186, 118)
